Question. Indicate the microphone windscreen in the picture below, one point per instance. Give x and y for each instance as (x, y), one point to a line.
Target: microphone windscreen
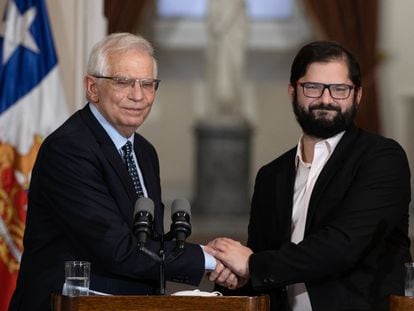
(144, 204)
(180, 205)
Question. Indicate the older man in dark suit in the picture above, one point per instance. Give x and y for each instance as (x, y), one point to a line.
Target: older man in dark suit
(81, 199)
(329, 218)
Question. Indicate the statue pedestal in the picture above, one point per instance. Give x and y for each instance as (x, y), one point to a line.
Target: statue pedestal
(222, 166)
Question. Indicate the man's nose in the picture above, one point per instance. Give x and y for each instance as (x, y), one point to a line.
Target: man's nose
(326, 96)
(135, 92)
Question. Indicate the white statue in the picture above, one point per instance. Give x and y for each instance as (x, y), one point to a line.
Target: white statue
(227, 24)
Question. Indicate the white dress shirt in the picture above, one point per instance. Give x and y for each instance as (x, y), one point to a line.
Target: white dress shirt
(306, 176)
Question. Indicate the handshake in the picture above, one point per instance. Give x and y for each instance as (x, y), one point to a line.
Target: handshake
(232, 268)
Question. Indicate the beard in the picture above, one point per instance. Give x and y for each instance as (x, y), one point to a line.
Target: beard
(320, 126)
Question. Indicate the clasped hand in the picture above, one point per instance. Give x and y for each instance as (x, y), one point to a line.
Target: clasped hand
(232, 269)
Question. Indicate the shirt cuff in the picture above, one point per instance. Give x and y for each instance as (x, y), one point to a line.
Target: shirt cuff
(209, 261)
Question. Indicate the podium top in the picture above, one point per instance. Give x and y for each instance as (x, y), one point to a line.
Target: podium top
(159, 303)
(401, 303)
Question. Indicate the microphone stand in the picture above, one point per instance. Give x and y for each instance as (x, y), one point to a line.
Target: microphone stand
(142, 229)
(162, 267)
(160, 259)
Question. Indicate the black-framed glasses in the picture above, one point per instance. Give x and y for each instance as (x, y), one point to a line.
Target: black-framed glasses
(315, 90)
(147, 85)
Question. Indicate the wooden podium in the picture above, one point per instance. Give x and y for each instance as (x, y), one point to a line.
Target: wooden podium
(401, 303)
(159, 303)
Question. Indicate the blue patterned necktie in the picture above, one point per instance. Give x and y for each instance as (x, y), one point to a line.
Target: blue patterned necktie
(132, 168)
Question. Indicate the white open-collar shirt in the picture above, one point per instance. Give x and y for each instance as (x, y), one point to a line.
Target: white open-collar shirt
(306, 176)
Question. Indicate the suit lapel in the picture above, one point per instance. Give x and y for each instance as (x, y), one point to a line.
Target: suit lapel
(109, 151)
(119, 166)
(145, 166)
(148, 164)
(334, 164)
(285, 181)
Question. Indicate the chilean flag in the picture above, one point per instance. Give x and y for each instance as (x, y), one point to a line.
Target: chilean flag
(32, 104)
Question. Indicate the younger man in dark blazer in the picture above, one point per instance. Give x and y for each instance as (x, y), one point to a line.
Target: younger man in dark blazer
(329, 219)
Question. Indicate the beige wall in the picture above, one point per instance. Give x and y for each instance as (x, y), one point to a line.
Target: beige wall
(396, 76)
(76, 25)
(61, 15)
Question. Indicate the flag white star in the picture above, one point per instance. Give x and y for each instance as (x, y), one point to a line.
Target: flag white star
(15, 30)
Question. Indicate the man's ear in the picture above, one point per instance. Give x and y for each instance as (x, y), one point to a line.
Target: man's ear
(359, 95)
(291, 92)
(91, 89)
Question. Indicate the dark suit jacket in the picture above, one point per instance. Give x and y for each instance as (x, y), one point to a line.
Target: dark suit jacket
(356, 236)
(81, 204)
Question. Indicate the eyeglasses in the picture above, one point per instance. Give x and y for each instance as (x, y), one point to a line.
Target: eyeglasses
(315, 90)
(147, 85)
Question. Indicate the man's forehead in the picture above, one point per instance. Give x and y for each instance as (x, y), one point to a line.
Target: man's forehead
(334, 69)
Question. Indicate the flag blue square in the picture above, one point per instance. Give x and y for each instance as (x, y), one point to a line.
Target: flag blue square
(27, 50)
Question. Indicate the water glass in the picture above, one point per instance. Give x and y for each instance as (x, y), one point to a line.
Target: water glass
(77, 274)
(409, 279)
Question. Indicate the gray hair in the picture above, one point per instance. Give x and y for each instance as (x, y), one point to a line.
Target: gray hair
(115, 43)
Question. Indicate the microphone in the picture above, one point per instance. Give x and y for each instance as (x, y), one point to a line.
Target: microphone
(180, 226)
(143, 216)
